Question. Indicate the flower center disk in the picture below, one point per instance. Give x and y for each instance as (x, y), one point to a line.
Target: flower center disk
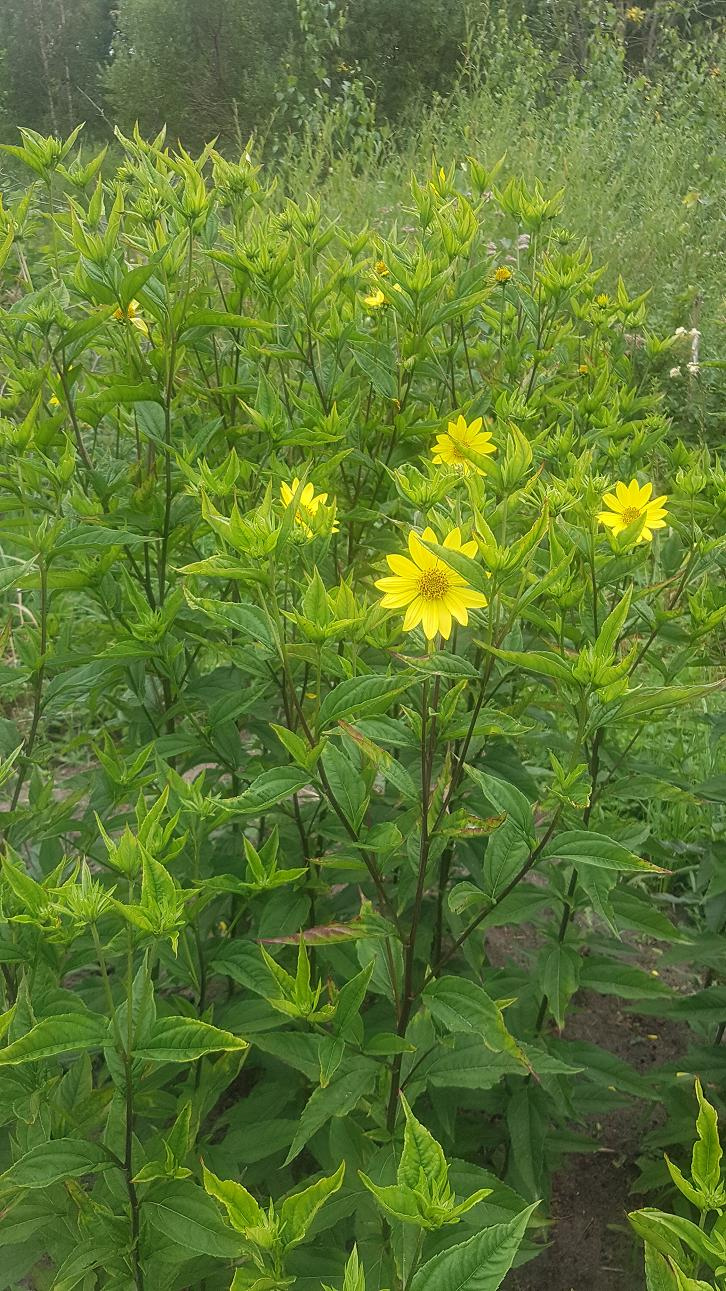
(433, 585)
(630, 514)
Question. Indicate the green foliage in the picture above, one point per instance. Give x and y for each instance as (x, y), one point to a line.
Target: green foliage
(269, 787)
(676, 1249)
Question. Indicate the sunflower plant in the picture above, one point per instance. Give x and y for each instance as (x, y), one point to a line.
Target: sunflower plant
(353, 591)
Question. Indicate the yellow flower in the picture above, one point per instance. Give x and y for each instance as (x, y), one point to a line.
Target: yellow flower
(583, 369)
(54, 401)
(635, 14)
(375, 299)
(629, 503)
(132, 315)
(452, 446)
(502, 274)
(603, 300)
(381, 268)
(308, 503)
(432, 592)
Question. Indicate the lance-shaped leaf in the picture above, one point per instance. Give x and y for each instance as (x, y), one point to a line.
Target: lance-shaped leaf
(464, 1006)
(64, 1033)
(52, 1162)
(584, 847)
(180, 1039)
(298, 1211)
(480, 1264)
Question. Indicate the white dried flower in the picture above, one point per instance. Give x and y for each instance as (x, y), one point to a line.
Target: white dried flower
(674, 372)
(694, 368)
(680, 331)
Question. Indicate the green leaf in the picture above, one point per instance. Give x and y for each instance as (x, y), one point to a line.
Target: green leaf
(505, 797)
(270, 787)
(360, 697)
(480, 1264)
(336, 1099)
(421, 1155)
(464, 1006)
(61, 1034)
(52, 1162)
(707, 1152)
(183, 1213)
(661, 1228)
(537, 661)
(242, 1209)
(179, 1039)
(396, 1200)
(374, 358)
(298, 1211)
(559, 978)
(583, 847)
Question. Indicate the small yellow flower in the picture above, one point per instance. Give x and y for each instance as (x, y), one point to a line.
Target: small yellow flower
(374, 299)
(308, 503)
(583, 369)
(452, 446)
(432, 592)
(132, 315)
(381, 268)
(629, 503)
(603, 300)
(54, 401)
(635, 14)
(503, 274)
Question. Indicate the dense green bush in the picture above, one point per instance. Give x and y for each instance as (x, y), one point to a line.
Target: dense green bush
(268, 812)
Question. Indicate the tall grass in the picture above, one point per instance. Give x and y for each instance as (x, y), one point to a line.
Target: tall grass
(642, 160)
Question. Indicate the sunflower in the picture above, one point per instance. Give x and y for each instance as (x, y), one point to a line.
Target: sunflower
(132, 315)
(432, 592)
(308, 504)
(629, 503)
(452, 446)
(375, 299)
(502, 275)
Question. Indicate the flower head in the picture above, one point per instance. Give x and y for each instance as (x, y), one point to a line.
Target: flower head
(452, 445)
(631, 502)
(603, 300)
(432, 593)
(374, 299)
(308, 504)
(132, 315)
(54, 401)
(381, 268)
(635, 14)
(502, 274)
(583, 369)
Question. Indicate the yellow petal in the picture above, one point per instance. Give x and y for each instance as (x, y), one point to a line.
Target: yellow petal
(608, 518)
(402, 566)
(469, 549)
(611, 501)
(453, 539)
(644, 493)
(444, 622)
(468, 597)
(413, 614)
(421, 555)
(622, 493)
(430, 619)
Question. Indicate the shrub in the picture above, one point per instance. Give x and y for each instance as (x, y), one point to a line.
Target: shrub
(270, 788)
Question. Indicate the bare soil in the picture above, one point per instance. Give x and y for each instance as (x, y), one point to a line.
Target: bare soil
(591, 1245)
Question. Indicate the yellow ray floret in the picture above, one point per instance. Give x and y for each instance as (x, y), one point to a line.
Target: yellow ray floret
(461, 438)
(374, 299)
(431, 592)
(631, 502)
(308, 503)
(132, 315)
